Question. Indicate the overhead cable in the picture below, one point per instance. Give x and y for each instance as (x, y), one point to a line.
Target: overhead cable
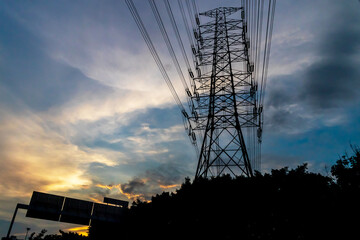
(168, 44)
(153, 52)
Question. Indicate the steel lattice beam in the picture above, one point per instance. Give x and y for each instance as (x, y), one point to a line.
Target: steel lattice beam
(225, 104)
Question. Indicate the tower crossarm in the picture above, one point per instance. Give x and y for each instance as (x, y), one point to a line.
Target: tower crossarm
(226, 11)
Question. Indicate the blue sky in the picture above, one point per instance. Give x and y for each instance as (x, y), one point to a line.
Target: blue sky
(84, 111)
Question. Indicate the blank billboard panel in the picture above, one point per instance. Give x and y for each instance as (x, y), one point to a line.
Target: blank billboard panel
(118, 202)
(76, 211)
(106, 213)
(45, 206)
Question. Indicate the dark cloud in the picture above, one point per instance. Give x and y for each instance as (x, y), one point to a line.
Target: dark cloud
(334, 79)
(329, 84)
(165, 177)
(283, 120)
(135, 185)
(171, 173)
(283, 107)
(166, 174)
(283, 90)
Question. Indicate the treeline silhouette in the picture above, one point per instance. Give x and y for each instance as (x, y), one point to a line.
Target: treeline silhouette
(284, 204)
(62, 236)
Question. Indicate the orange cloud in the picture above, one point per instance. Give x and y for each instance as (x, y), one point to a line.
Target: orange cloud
(169, 186)
(132, 196)
(110, 187)
(95, 200)
(129, 195)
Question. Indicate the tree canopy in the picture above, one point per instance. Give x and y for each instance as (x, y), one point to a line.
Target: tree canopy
(62, 236)
(284, 204)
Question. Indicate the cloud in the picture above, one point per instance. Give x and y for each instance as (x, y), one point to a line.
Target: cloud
(30, 74)
(154, 180)
(146, 139)
(166, 177)
(35, 157)
(333, 80)
(331, 83)
(323, 91)
(134, 189)
(156, 162)
(86, 71)
(63, 89)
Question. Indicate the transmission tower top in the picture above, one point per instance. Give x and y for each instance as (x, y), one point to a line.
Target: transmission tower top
(221, 10)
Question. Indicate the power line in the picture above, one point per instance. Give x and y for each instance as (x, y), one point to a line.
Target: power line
(178, 37)
(153, 52)
(188, 32)
(168, 44)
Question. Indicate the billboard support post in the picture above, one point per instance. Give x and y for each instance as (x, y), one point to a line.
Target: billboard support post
(21, 206)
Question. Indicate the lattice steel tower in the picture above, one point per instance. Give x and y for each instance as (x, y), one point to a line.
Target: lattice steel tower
(223, 116)
(224, 94)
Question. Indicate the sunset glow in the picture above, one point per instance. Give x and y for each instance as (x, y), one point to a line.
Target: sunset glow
(169, 186)
(80, 230)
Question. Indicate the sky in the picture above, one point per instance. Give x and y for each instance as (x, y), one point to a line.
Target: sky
(85, 112)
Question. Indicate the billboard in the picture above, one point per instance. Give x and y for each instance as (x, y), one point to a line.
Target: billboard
(122, 203)
(107, 213)
(70, 210)
(76, 211)
(45, 206)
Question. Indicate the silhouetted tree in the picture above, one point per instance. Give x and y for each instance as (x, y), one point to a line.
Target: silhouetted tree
(39, 236)
(347, 170)
(283, 204)
(63, 236)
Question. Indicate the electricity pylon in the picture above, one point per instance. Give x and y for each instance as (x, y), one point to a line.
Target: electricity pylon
(225, 101)
(224, 94)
